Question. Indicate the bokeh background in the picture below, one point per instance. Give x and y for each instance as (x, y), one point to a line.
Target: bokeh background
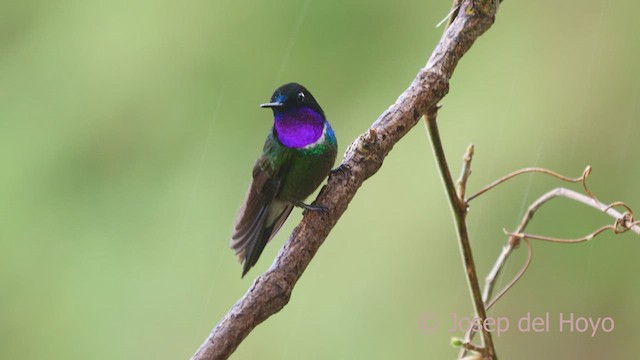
(128, 132)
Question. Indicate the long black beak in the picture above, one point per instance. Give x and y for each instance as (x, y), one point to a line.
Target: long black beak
(272, 105)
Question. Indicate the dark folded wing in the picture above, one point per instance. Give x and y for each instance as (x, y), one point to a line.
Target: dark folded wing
(261, 214)
(253, 213)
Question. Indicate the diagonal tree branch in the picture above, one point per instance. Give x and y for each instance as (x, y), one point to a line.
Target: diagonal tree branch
(271, 291)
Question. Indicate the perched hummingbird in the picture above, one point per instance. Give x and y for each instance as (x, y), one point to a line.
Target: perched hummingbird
(297, 156)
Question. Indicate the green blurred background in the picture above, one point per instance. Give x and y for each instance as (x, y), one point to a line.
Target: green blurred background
(129, 130)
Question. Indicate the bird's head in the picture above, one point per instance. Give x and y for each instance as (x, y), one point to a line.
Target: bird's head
(291, 97)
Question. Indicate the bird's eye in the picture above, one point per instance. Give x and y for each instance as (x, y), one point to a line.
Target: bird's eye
(300, 97)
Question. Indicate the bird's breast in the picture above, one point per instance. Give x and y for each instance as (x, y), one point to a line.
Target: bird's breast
(308, 167)
(299, 128)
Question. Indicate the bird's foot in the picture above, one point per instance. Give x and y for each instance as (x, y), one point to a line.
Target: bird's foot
(343, 170)
(320, 208)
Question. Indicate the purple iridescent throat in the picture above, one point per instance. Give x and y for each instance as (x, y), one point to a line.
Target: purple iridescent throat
(297, 128)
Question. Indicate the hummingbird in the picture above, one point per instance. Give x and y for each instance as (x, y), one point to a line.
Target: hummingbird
(296, 158)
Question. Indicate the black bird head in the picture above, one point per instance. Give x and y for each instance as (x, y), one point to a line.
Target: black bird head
(292, 96)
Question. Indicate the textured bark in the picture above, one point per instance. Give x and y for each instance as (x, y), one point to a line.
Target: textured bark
(271, 291)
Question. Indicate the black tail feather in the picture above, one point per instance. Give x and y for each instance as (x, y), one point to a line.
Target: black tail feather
(255, 250)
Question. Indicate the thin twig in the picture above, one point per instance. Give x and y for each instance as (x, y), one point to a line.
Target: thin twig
(513, 241)
(513, 174)
(588, 237)
(458, 208)
(575, 196)
(623, 222)
(271, 291)
(515, 279)
(472, 347)
(451, 15)
(464, 174)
